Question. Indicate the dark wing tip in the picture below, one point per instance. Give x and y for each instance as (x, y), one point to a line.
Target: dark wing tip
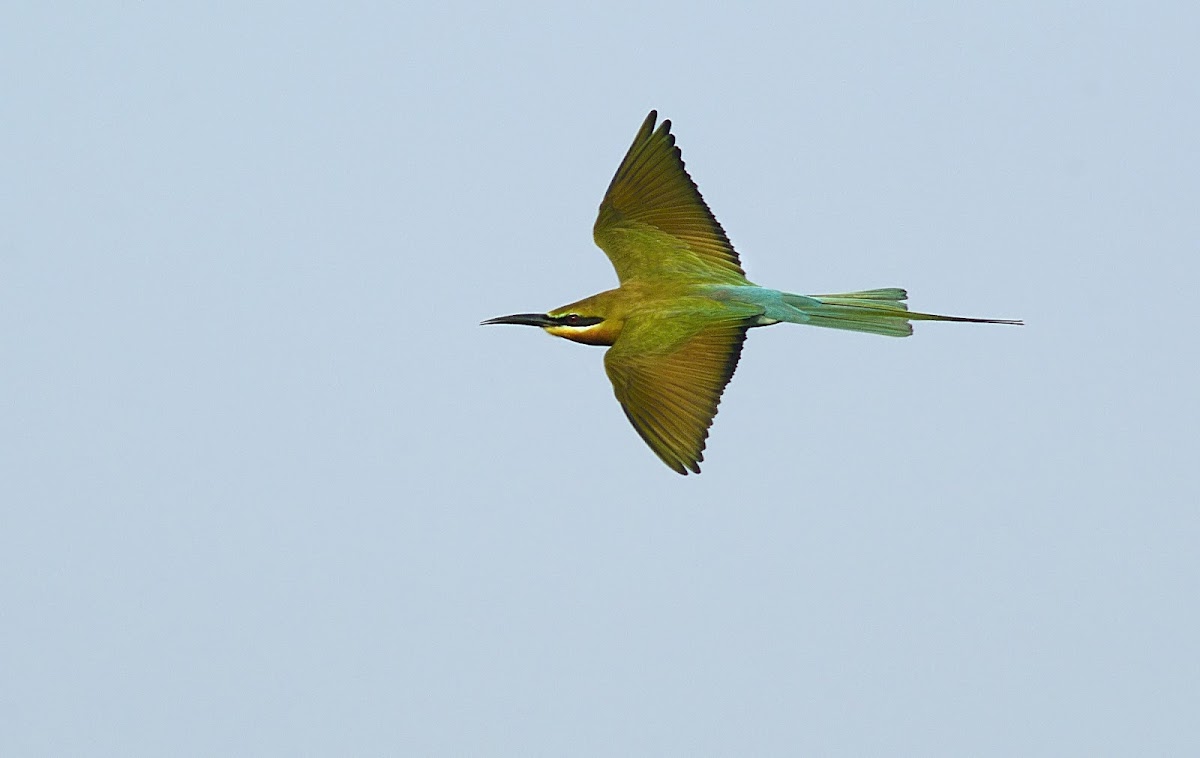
(647, 126)
(684, 467)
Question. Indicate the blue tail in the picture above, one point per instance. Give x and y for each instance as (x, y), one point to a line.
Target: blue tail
(880, 311)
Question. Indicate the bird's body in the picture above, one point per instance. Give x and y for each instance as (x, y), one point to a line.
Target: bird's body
(677, 321)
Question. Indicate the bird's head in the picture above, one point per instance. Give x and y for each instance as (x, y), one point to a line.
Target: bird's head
(590, 321)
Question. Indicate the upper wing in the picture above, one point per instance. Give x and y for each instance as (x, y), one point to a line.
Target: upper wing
(669, 377)
(653, 221)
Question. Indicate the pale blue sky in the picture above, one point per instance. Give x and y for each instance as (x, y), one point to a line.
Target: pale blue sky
(268, 489)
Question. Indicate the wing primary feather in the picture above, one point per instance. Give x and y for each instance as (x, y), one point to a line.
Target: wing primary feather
(653, 195)
(670, 392)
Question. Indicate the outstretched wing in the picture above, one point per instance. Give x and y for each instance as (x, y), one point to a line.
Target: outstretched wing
(653, 221)
(669, 378)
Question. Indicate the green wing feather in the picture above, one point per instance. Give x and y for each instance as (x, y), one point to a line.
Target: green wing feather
(653, 222)
(668, 375)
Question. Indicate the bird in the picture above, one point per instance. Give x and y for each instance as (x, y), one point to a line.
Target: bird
(676, 324)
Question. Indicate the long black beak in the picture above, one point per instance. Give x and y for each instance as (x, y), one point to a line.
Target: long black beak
(526, 319)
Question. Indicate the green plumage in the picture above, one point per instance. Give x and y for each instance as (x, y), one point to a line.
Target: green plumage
(677, 323)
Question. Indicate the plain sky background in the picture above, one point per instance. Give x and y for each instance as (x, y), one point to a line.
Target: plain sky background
(268, 488)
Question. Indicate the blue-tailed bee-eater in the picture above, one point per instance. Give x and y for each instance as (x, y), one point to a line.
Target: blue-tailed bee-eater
(677, 321)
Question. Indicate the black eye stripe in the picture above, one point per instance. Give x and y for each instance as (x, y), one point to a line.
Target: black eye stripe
(574, 319)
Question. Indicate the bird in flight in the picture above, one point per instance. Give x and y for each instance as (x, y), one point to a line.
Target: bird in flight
(676, 324)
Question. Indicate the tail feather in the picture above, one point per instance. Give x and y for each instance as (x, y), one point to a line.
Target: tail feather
(880, 311)
(882, 295)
